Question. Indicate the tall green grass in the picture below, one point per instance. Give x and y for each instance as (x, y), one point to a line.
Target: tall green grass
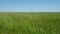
(29, 23)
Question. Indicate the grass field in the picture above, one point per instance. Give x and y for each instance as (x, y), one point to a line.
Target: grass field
(29, 23)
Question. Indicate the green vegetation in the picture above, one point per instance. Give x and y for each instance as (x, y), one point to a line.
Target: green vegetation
(29, 23)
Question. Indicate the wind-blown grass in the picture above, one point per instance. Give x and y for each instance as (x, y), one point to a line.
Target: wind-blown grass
(29, 23)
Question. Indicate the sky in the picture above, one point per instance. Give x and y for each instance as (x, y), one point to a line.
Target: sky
(29, 5)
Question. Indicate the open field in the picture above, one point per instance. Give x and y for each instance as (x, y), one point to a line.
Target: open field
(29, 23)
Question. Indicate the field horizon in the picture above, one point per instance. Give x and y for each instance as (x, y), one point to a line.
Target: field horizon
(29, 22)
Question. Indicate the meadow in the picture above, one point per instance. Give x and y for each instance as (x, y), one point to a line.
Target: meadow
(29, 23)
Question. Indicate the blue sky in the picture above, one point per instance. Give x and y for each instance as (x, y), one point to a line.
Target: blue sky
(28, 5)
